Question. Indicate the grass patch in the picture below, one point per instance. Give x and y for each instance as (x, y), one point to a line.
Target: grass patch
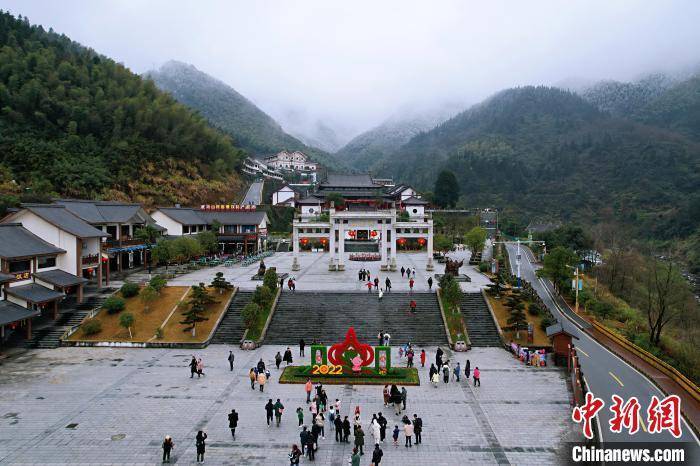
(145, 324)
(502, 313)
(255, 330)
(455, 322)
(397, 375)
(172, 331)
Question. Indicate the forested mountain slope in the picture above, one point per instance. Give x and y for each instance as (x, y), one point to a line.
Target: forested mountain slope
(545, 151)
(75, 123)
(257, 132)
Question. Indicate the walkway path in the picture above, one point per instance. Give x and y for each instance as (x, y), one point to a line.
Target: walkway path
(254, 194)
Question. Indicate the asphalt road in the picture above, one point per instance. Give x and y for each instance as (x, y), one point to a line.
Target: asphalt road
(254, 194)
(605, 373)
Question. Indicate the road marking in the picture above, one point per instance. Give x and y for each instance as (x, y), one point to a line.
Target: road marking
(618, 380)
(579, 350)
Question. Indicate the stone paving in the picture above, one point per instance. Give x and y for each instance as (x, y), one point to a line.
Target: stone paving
(314, 274)
(114, 406)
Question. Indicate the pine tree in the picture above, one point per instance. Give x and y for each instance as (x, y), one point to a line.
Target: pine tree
(196, 308)
(220, 283)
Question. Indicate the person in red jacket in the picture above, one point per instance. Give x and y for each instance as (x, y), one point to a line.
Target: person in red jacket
(422, 358)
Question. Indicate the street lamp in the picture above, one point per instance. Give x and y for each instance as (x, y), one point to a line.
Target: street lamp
(518, 256)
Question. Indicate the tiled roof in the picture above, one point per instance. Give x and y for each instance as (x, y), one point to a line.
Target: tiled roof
(183, 215)
(65, 220)
(60, 278)
(17, 241)
(34, 293)
(349, 181)
(11, 312)
(98, 212)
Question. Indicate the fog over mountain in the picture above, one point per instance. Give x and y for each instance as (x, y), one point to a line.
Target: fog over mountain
(327, 71)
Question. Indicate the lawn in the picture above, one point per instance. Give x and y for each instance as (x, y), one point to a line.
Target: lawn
(502, 313)
(397, 375)
(455, 322)
(255, 330)
(173, 329)
(145, 323)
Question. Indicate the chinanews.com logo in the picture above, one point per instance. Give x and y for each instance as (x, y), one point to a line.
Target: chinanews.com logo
(629, 417)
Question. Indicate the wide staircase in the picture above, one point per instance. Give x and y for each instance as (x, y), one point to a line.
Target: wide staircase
(231, 328)
(326, 317)
(480, 326)
(73, 313)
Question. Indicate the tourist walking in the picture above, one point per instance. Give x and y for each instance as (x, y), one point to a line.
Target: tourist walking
(369, 287)
(382, 426)
(387, 339)
(395, 399)
(412, 306)
(200, 367)
(376, 429)
(377, 455)
(430, 283)
(404, 394)
(387, 284)
(410, 285)
(310, 445)
(193, 367)
(446, 372)
(457, 371)
(231, 357)
(279, 409)
(300, 416)
(403, 271)
(408, 432)
(418, 429)
(303, 439)
(355, 458)
(302, 345)
(269, 411)
(367, 276)
(409, 357)
(438, 358)
(200, 443)
(331, 417)
(360, 274)
(261, 366)
(386, 394)
(467, 369)
(346, 430)
(376, 283)
(168, 445)
(435, 379)
(477, 375)
(432, 371)
(253, 376)
(308, 386)
(262, 380)
(287, 357)
(278, 360)
(413, 273)
(360, 439)
(321, 423)
(338, 423)
(395, 435)
(294, 455)
(422, 358)
(233, 422)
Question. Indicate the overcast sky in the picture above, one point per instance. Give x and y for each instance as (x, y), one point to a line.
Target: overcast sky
(353, 63)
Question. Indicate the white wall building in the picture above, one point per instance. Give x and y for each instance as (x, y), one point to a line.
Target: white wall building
(295, 161)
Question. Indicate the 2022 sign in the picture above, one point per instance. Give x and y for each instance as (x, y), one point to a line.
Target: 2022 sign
(326, 369)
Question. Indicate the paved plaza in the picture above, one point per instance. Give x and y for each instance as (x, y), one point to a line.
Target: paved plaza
(314, 274)
(114, 406)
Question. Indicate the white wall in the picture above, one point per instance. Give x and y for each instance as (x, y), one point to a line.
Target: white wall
(419, 210)
(282, 195)
(171, 226)
(407, 193)
(54, 235)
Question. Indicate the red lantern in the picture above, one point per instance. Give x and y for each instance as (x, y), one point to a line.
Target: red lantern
(304, 240)
(89, 270)
(104, 260)
(402, 241)
(324, 241)
(373, 233)
(421, 241)
(351, 233)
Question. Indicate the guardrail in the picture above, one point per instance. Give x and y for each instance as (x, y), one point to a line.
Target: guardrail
(662, 366)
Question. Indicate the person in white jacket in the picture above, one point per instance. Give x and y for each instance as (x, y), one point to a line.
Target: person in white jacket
(408, 431)
(375, 428)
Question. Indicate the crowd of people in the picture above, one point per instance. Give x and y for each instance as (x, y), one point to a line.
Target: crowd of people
(321, 413)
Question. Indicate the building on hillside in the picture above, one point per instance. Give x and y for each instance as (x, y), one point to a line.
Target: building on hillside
(121, 221)
(294, 161)
(386, 182)
(84, 256)
(243, 229)
(366, 218)
(288, 194)
(257, 168)
(402, 192)
(31, 281)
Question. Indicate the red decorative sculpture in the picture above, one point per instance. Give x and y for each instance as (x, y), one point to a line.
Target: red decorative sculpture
(337, 356)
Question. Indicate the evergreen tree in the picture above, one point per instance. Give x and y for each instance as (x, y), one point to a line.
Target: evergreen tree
(220, 283)
(196, 307)
(446, 189)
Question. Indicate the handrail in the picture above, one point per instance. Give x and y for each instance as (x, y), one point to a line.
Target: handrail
(663, 366)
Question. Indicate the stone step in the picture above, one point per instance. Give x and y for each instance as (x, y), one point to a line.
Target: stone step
(231, 328)
(326, 316)
(480, 326)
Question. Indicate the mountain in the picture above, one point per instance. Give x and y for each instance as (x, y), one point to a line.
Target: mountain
(546, 151)
(367, 150)
(625, 99)
(223, 107)
(77, 124)
(677, 109)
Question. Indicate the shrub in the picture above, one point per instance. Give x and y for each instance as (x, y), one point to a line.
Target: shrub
(158, 282)
(159, 333)
(250, 313)
(547, 321)
(270, 279)
(129, 290)
(534, 309)
(91, 327)
(148, 296)
(483, 267)
(263, 297)
(114, 304)
(126, 320)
